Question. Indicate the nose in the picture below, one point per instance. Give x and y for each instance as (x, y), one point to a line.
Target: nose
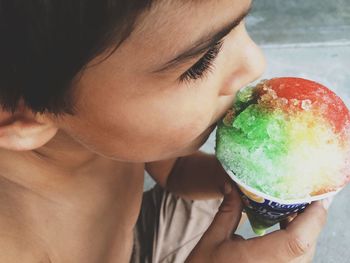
(249, 65)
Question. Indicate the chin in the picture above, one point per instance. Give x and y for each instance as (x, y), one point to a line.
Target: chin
(197, 142)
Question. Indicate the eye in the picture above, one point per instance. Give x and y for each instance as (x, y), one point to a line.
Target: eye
(202, 66)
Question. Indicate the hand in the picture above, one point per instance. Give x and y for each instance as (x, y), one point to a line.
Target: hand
(294, 244)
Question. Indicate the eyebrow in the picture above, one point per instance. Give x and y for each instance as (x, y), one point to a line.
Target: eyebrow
(204, 43)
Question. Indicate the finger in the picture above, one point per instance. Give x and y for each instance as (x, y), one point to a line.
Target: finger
(285, 222)
(309, 223)
(298, 238)
(308, 258)
(310, 255)
(237, 237)
(227, 218)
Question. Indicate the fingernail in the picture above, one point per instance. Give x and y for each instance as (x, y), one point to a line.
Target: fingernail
(327, 202)
(227, 188)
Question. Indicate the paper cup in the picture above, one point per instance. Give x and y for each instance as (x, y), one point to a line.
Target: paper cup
(264, 211)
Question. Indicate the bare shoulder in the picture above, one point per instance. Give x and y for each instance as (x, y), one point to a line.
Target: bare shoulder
(15, 248)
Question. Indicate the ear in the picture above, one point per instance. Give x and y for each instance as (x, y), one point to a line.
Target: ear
(25, 130)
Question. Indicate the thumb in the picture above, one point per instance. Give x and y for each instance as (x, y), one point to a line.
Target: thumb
(227, 218)
(297, 240)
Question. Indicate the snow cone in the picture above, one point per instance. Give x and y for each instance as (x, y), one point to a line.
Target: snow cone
(286, 143)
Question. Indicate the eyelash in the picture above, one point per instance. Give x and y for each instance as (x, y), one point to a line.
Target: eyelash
(202, 66)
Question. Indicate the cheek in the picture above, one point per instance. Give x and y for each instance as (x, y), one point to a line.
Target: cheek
(169, 124)
(145, 128)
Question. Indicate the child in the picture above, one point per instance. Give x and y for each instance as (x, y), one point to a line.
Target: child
(93, 92)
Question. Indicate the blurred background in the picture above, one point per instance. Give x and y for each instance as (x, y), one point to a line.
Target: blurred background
(309, 39)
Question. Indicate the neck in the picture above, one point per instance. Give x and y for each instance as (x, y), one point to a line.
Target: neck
(64, 187)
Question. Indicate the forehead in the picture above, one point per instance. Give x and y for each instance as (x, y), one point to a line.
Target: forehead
(171, 26)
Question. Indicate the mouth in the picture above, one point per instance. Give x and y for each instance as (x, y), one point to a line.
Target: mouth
(212, 127)
(204, 136)
(208, 131)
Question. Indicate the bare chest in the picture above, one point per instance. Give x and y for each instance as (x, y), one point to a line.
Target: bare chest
(90, 233)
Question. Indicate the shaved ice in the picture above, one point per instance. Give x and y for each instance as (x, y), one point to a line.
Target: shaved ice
(288, 138)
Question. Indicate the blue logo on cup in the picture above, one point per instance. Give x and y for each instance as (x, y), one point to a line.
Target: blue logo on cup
(271, 210)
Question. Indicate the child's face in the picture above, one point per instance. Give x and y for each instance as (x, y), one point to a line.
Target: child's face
(135, 106)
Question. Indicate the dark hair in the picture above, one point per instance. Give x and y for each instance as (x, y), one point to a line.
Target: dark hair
(45, 43)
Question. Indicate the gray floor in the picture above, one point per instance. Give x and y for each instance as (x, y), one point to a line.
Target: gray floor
(300, 21)
(310, 39)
